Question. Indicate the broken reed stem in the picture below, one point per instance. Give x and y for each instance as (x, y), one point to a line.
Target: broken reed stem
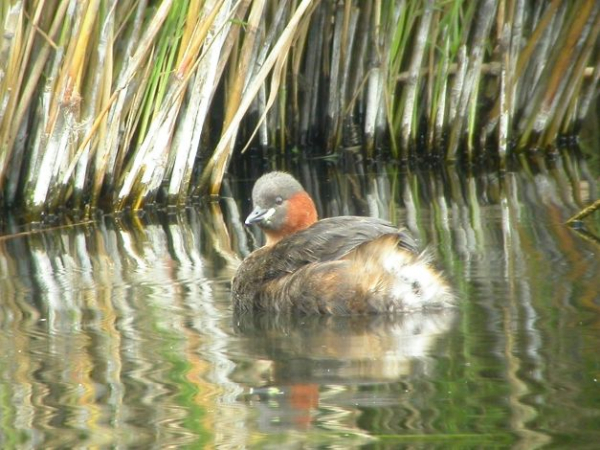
(585, 212)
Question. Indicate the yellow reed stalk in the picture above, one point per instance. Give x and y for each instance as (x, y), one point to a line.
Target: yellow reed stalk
(556, 77)
(215, 169)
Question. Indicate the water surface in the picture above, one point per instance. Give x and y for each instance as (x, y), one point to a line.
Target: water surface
(120, 332)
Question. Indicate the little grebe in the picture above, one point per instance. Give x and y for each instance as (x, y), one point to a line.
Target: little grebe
(339, 266)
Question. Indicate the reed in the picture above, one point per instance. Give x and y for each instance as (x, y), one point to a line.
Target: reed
(115, 104)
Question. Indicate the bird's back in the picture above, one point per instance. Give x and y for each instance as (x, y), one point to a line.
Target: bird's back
(341, 265)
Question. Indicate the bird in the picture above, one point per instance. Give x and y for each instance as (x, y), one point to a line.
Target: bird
(345, 265)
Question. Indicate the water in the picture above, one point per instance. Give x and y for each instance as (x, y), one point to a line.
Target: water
(119, 333)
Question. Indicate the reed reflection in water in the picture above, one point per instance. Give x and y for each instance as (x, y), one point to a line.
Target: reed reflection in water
(120, 332)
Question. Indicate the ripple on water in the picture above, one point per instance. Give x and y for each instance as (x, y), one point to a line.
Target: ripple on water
(121, 334)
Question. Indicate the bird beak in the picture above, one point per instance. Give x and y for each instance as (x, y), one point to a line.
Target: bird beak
(259, 215)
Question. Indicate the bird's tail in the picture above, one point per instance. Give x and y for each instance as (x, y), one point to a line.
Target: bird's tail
(403, 280)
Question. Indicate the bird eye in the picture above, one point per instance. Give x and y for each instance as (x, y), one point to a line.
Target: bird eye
(278, 200)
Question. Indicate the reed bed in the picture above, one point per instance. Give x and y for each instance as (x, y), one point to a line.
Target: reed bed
(116, 104)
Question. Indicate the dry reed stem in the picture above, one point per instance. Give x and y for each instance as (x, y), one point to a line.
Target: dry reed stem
(410, 89)
(215, 169)
(585, 212)
(550, 92)
(573, 84)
